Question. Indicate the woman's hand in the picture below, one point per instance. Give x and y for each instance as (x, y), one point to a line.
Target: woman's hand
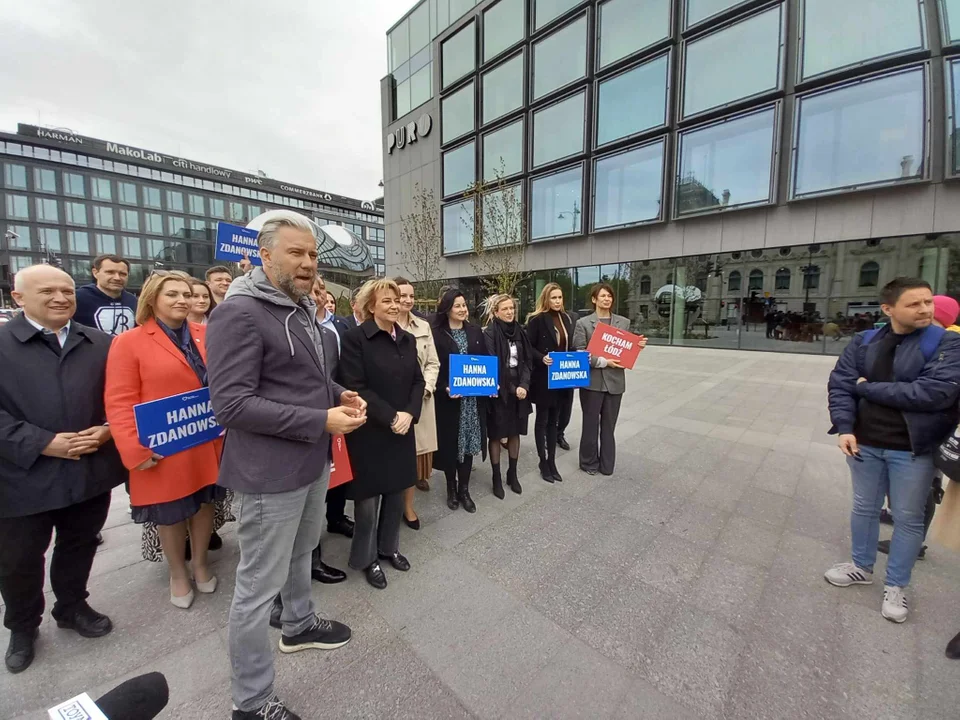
(522, 393)
(547, 360)
(401, 424)
(453, 397)
(152, 462)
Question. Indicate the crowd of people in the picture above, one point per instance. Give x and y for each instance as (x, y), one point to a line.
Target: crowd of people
(285, 375)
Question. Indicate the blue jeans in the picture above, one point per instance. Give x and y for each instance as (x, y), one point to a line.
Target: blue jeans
(907, 478)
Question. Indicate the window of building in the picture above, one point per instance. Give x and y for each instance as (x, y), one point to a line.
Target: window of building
(153, 223)
(839, 35)
(866, 133)
(174, 201)
(755, 281)
(699, 10)
(503, 89)
(459, 54)
(547, 10)
(17, 207)
(459, 168)
(175, 226)
(458, 227)
(558, 130)
(15, 176)
(421, 86)
(254, 210)
(869, 274)
(18, 237)
(106, 243)
(196, 204)
(727, 164)
(560, 59)
(79, 268)
(130, 220)
(782, 279)
(101, 188)
(47, 210)
(633, 101)
(811, 277)
(236, 212)
(627, 26)
(49, 239)
(151, 197)
(44, 180)
(503, 26)
(419, 22)
(78, 241)
(950, 21)
(628, 187)
(456, 113)
(127, 193)
(733, 281)
(502, 216)
(216, 208)
(557, 204)
(402, 98)
(503, 151)
(73, 185)
(398, 43)
(76, 213)
(103, 216)
(131, 247)
(739, 61)
(20, 262)
(645, 285)
(157, 249)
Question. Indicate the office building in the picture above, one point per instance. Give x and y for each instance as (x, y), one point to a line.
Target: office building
(68, 198)
(747, 174)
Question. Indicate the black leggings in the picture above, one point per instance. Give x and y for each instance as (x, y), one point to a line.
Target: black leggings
(545, 430)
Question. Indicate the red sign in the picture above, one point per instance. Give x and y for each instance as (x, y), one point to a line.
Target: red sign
(340, 470)
(613, 344)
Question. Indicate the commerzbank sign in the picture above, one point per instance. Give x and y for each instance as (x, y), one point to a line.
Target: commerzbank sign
(65, 139)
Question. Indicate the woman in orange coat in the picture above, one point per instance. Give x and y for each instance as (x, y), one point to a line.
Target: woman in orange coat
(165, 356)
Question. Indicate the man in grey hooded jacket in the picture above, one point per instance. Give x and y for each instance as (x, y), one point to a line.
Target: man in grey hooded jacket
(271, 369)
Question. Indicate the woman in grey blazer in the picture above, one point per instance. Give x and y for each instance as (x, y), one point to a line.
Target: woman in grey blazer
(600, 402)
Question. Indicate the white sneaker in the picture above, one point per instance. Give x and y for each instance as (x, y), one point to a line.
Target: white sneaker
(894, 606)
(847, 574)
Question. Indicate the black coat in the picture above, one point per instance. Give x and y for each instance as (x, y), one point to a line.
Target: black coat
(42, 394)
(448, 409)
(387, 375)
(543, 340)
(507, 410)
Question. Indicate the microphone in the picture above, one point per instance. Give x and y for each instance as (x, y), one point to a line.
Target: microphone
(139, 698)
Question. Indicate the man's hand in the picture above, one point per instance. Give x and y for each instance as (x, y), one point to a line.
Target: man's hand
(245, 263)
(343, 420)
(401, 426)
(848, 445)
(350, 399)
(547, 360)
(90, 440)
(521, 393)
(861, 380)
(152, 462)
(62, 446)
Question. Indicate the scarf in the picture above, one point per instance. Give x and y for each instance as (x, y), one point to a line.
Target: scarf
(184, 343)
(503, 334)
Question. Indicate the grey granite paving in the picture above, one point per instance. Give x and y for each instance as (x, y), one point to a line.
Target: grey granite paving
(688, 585)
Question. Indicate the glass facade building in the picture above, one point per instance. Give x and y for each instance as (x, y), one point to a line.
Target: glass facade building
(69, 198)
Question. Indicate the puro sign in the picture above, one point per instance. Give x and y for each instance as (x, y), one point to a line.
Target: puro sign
(409, 133)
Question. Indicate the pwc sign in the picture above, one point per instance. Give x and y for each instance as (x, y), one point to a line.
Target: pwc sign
(409, 133)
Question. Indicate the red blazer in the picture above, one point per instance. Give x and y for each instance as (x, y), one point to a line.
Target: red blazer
(143, 365)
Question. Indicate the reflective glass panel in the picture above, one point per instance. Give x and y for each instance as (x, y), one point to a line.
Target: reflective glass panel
(456, 113)
(421, 88)
(459, 168)
(727, 164)
(633, 101)
(503, 151)
(560, 59)
(151, 197)
(558, 130)
(196, 204)
(403, 98)
(839, 34)
(557, 204)
(102, 216)
(50, 239)
(871, 132)
(101, 188)
(502, 216)
(19, 237)
(106, 243)
(458, 227)
(698, 10)
(628, 187)
(739, 61)
(130, 220)
(15, 176)
(459, 54)
(216, 208)
(44, 180)
(627, 26)
(419, 27)
(174, 201)
(127, 193)
(547, 10)
(131, 246)
(399, 42)
(503, 89)
(153, 223)
(73, 185)
(47, 210)
(459, 7)
(76, 213)
(950, 13)
(503, 27)
(17, 207)
(79, 242)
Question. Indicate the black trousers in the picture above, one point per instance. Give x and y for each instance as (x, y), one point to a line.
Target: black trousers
(598, 446)
(546, 430)
(377, 529)
(23, 545)
(336, 503)
(565, 409)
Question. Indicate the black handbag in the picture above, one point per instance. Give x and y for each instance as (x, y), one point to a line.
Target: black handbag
(947, 457)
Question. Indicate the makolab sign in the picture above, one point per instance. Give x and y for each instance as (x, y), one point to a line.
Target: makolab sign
(409, 133)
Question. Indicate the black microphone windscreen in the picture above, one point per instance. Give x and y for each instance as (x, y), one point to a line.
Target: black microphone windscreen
(139, 698)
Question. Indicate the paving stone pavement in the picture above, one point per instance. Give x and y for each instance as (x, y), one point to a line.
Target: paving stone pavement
(688, 585)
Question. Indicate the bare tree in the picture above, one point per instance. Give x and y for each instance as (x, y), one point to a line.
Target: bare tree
(421, 243)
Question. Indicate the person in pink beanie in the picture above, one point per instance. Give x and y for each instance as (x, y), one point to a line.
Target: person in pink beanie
(945, 312)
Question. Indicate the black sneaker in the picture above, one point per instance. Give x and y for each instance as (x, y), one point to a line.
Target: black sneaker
(20, 651)
(886, 517)
(324, 635)
(86, 621)
(273, 709)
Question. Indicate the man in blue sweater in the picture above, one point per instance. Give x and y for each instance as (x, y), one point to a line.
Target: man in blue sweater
(893, 399)
(105, 304)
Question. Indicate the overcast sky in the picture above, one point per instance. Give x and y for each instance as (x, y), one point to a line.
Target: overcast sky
(290, 87)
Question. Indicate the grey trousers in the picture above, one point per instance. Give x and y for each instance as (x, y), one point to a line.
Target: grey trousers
(277, 533)
(372, 534)
(598, 446)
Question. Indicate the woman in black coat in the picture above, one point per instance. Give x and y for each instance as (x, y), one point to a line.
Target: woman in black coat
(379, 361)
(549, 329)
(508, 412)
(461, 422)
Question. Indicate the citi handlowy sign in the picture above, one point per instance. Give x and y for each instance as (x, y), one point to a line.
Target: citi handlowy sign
(409, 133)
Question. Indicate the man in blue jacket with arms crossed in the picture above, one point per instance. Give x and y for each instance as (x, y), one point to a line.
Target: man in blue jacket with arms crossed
(893, 399)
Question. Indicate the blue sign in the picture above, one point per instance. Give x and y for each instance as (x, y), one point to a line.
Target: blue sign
(569, 370)
(233, 241)
(176, 423)
(474, 375)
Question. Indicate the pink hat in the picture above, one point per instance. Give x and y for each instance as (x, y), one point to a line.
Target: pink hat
(945, 310)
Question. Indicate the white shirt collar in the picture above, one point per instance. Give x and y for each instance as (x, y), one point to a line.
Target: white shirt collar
(62, 334)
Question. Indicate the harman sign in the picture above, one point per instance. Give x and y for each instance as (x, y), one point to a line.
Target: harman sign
(409, 133)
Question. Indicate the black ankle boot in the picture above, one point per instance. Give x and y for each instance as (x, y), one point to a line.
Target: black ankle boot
(552, 465)
(545, 472)
(497, 483)
(463, 494)
(512, 480)
(452, 502)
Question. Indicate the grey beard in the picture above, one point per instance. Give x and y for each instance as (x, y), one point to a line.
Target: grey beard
(285, 282)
